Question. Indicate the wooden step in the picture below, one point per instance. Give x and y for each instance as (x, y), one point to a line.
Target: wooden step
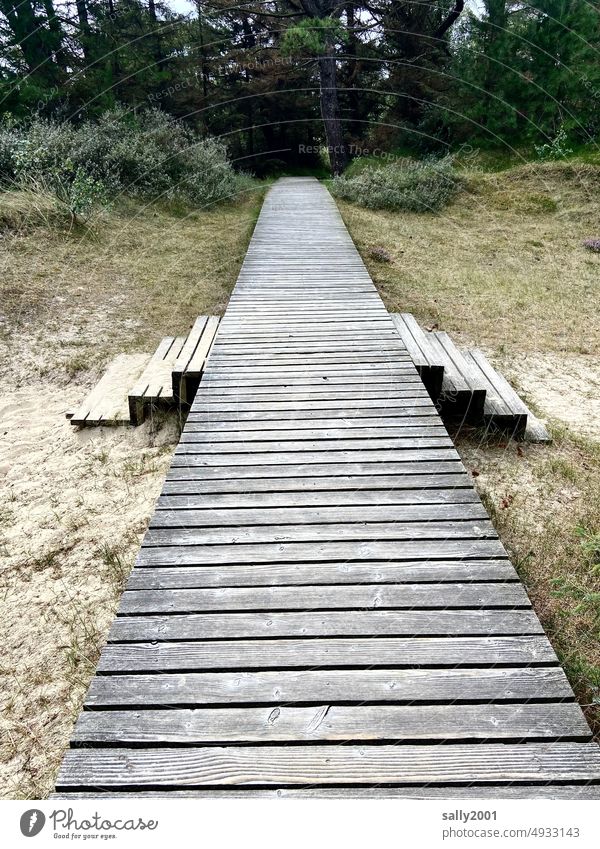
(503, 409)
(155, 386)
(107, 403)
(463, 389)
(427, 359)
(189, 365)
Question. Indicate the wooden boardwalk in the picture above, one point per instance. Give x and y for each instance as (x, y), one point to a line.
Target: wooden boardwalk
(321, 605)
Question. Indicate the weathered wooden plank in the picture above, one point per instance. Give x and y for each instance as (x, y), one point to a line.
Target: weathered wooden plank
(206, 413)
(205, 433)
(314, 552)
(370, 652)
(365, 597)
(352, 686)
(446, 476)
(155, 384)
(233, 517)
(245, 534)
(180, 364)
(195, 445)
(108, 403)
(182, 470)
(426, 422)
(439, 623)
(322, 765)
(530, 790)
(301, 574)
(308, 458)
(266, 500)
(338, 723)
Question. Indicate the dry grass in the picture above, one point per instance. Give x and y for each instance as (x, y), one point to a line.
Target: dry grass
(75, 504)
(504, 268)
(503, 265)
(140, 273)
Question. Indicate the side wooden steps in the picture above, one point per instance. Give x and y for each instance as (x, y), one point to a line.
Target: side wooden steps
(189, 365)
(426, 358)
(463, 390)
(155, 386)
(464, 383)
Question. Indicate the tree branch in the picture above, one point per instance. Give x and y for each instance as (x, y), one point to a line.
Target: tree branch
(451, 19)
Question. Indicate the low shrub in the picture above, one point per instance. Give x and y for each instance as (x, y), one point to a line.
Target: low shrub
(148, 154)
(425, 186)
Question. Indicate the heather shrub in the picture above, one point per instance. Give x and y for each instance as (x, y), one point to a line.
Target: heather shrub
(412, 186)
(592, 245)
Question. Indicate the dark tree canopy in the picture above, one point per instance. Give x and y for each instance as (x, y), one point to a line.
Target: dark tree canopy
(279, 80)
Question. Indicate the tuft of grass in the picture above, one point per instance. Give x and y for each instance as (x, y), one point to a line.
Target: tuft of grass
(116, 566)
(76, 365)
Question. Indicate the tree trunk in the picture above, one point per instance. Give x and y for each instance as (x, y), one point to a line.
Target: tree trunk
(330, 112)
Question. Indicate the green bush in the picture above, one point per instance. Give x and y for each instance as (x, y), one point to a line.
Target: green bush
(147, 154)
(412, 186)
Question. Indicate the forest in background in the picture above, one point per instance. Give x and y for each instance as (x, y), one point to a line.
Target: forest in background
(279, 80)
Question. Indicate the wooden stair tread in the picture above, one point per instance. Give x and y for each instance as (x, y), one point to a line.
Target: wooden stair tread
(155, 383)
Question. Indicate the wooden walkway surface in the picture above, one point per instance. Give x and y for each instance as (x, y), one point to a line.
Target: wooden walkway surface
(321, 605)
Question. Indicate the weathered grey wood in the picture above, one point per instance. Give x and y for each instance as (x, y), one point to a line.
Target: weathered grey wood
(107, 403)
(205, 433)
(530, 790)
(447, 476)
(155, 384)
(315, 515)
(196, 445)
(463, 390)
(265, 500)
(437, 623)
(425, 420)
(244, 534)
(307, 552)
(329, 686)
(330, 652)
(387, 596)
(428, 361)
(185, 470)
(180, 364)
(301, 574)
(334, 723)
(322, 765)
(308, 458)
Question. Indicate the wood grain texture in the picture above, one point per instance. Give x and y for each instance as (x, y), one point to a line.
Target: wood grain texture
(322, 765)
(336, 723)
(297, 624)
(331, 686)
(329, 652)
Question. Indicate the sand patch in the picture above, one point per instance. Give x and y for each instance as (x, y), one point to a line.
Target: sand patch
(563, 387)
(74, 505)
